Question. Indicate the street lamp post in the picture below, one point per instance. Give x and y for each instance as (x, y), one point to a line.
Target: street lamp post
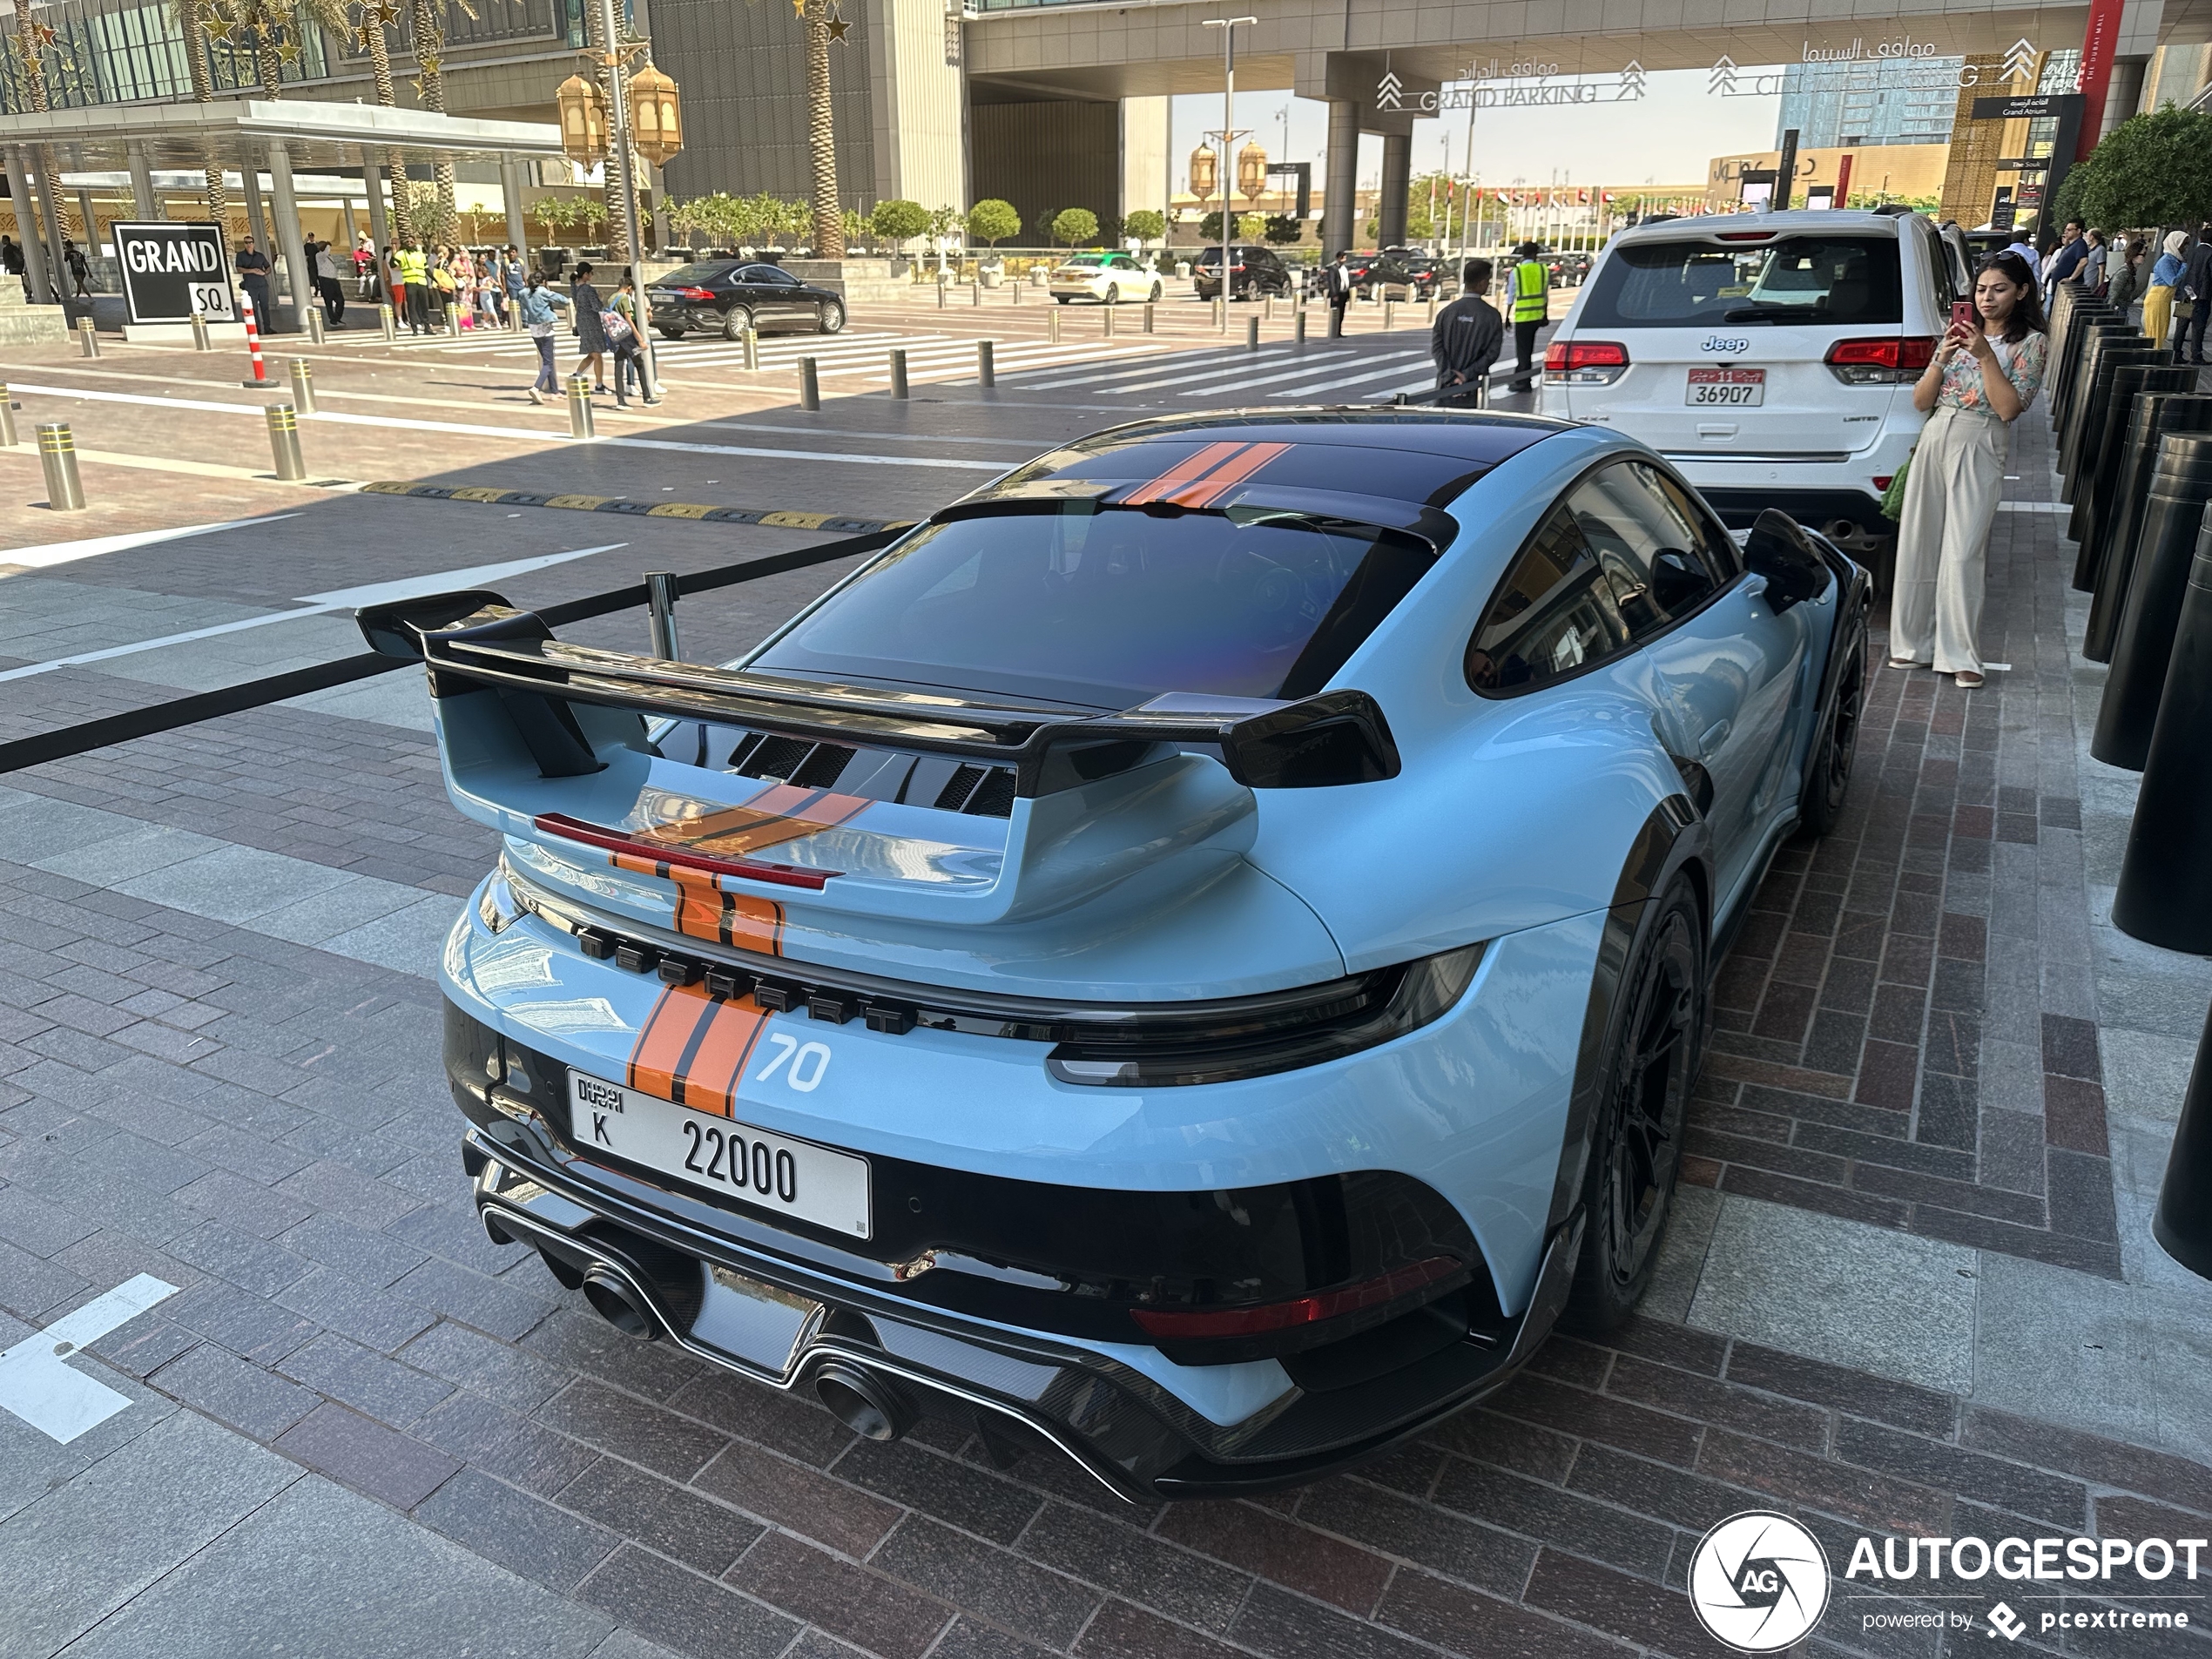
(1227, 136)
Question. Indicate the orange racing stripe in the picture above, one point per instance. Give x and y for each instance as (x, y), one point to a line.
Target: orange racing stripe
(717, 1064)
(657, 1058)
(1182, 473)
(1230, 473)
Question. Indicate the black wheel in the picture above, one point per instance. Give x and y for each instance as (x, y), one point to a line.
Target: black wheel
(1113, 293)
(1156, 291)
(829, 317)
(1635, 1134)
(735, 321)
(1820, 802)
(670, 334)
(1062, 297)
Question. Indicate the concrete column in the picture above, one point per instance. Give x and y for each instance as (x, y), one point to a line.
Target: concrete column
(50, 211)
(92, 227)
(1397, 176)
(663, 234)
(1145, 154)
(510, 191)
(144, 202)
(380, 231)
(257, 223)
(2124, 93)
(34, 254)
(1340, 183)
(285, 207)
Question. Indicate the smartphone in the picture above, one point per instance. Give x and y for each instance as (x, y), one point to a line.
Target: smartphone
(1963, 313)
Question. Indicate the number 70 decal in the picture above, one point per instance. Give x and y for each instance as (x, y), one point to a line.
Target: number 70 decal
(808, 1061)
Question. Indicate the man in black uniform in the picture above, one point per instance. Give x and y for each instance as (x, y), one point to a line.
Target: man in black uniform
(1466, 342)
(1336, 285)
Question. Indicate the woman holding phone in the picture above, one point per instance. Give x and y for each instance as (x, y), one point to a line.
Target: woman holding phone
(1988, 369)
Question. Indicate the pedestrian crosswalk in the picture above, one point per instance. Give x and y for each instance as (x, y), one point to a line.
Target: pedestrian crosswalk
(1138, 371)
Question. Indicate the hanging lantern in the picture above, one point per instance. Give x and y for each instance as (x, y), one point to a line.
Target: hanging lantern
(655, 120)
(1252, 172)
(583, 120)
(1204, 172)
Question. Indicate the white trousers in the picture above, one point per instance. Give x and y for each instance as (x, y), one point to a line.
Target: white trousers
(1943, 539)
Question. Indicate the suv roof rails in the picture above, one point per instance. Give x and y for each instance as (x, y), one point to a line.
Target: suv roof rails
(1896, 210)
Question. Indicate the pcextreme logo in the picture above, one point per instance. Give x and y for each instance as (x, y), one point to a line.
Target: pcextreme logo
(1758, 1581)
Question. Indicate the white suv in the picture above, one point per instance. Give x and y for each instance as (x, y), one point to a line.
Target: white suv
(1769, 357)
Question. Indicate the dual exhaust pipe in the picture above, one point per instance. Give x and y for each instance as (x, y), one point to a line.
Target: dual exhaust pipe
(874, 1405)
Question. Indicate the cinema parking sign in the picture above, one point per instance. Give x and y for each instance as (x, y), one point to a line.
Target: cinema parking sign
(172, 270)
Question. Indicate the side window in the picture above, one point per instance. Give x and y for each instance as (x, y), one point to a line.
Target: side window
(1648, 549)
(1721, 556)
(1553, 616)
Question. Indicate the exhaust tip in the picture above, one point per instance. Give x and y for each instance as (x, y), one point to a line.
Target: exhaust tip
(874, 1407)
(613, 1299)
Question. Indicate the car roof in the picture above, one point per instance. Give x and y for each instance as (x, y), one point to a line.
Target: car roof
(1397, 468)
(1856, 221)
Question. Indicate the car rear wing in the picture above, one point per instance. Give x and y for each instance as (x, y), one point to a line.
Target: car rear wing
(475, 639)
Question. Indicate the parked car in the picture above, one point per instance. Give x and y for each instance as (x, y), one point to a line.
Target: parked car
(1258, 272)
(1770, 356)
(1108, 278)
(1377, 272)
(1195, 954)
(1424, 272)
(728, 296)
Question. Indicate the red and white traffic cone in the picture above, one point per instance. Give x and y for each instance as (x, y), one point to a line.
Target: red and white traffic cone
(253, 344)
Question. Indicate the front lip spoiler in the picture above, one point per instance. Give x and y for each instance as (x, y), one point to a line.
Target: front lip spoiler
(1196, 1475)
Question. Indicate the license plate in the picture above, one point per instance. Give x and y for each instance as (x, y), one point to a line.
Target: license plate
(795, 1178)
(1735, 388)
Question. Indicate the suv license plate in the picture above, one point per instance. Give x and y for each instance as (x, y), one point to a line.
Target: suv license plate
(1734, 387)
(795, 1178)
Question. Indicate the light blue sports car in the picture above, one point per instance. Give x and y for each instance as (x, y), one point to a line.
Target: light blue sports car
(1195, 954)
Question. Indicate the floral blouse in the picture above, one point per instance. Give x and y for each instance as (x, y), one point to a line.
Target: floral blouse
(2022, 362)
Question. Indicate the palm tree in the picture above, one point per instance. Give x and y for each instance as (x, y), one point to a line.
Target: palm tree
(31, 40)
(822, 23)
(426, 21)
(190, 18)
(618, 163)
(365, 22)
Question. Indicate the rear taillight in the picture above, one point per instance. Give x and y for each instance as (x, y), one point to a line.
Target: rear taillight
(1193, 1324)
(695, 294)
(1584, 362)
(1883, 480)
(639, 852)
(1888, 360)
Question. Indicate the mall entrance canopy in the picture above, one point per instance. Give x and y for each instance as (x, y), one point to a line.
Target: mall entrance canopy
(252, 136)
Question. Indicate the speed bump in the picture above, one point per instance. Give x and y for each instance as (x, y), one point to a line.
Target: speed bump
(772, 518)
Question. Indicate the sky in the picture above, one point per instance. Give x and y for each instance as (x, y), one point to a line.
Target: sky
(1672, 132)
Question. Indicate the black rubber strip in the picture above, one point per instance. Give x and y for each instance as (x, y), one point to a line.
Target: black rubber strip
(64, 741)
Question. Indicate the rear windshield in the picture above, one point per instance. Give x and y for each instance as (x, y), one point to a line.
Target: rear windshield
(1840, 280)
(686, 275)
(1107, 609)
(1085, 258)
(1211, 253)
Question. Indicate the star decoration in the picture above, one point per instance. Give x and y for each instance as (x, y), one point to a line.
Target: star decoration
(799, 7)
(836, 31)
(289, 52)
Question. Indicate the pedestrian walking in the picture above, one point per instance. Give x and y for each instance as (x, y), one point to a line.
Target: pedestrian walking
(411, 276)
(2124, 273)
(2197, 288)
(253, 267)
(1466, 340)
(327, 283)
(11, 261)
(627, 341)
(1336, 285)
(2158, 298)
(590, 332)
(80, 268)
(1986, 373)
(1532, 299)
(2093, 262)
(514, 276)
(364, 267)
(2064, 264)
(535, 306)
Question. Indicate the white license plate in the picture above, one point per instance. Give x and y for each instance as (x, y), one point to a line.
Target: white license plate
(1728, 387)
(795, 1178)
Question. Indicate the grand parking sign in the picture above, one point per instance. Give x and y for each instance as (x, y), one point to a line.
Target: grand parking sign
(172, 270)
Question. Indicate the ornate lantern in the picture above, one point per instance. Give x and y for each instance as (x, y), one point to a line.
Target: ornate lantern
(655, 120)
(583, 120)
(1252, 172)
(1204, 172)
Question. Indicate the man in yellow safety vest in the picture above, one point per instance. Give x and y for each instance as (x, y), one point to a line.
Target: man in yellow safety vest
(1531, 294)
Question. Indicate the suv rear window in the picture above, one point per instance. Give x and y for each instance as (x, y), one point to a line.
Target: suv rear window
(1692, 284)
(1108, 609)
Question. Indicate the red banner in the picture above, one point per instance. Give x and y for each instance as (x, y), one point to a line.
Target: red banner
(1843, 181)
(2097, 46)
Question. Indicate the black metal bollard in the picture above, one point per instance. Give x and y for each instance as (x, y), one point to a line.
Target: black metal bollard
(2105, 357)
(2067, 363)
(2165, 895)
(2182, 1223)
(2101, 449)
(2113, 533)
(2165, 548)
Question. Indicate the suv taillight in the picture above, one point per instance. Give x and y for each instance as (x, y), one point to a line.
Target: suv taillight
(1584, 362)
(1891, 360)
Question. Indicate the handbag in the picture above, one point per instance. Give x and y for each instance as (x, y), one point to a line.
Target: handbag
(1893, 496)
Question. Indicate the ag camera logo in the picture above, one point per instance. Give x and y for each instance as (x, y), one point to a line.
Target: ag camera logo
(1758, 1581)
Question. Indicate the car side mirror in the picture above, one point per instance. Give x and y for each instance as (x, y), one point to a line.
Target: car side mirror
(1779, 550)
(1676, 582)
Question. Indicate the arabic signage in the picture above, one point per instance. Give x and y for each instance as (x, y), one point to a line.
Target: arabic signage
(171, 270)
(1534, 85)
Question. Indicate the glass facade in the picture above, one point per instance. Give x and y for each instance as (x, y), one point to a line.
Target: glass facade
(1869, 102)
(107, 54)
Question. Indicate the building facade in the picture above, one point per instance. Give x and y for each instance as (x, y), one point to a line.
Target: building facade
(1861, 102)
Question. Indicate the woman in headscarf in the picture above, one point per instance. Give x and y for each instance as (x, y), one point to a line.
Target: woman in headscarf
(2158, 299)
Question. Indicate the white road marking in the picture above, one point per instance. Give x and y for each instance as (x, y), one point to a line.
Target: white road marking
(2035, 507)
(320, 604)
(1305, 370)
(58, 1401)
(1379, 367)
(53, 553)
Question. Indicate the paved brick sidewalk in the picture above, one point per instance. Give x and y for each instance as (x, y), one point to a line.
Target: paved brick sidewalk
(1908, 1288)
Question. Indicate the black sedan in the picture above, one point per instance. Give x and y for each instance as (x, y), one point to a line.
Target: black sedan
(728, 296)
